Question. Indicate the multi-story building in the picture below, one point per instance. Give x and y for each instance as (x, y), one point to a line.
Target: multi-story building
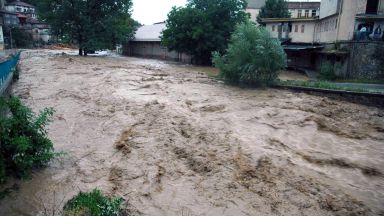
(21, 8)
(310, 41)
(342, 20)
(18, 14)
(304, 9)
(338, 20)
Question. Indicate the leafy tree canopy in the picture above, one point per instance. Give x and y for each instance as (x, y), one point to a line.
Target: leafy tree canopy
(253, 56)
(274, 9)
(93, 24)
(203, 26)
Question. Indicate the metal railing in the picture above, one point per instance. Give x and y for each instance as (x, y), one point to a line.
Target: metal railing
(367, 36)
(6, 69)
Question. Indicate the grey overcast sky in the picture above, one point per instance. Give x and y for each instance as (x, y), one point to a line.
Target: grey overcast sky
(151, 11)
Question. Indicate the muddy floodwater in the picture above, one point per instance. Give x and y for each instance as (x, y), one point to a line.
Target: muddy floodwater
(172, 141)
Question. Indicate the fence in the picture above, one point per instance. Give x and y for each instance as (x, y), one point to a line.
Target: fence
(6, 69)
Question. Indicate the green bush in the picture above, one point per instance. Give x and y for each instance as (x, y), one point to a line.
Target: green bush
(16, 74)
(24, 144)
(327, 72)
(252, 56)
(93, 203)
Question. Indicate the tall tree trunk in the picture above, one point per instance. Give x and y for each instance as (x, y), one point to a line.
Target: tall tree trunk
(80, 52)
(85, 52)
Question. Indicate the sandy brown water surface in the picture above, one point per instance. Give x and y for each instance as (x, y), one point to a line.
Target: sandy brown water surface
(172, 141)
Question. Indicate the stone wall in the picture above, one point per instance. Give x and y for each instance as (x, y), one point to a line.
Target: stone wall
(362, 64)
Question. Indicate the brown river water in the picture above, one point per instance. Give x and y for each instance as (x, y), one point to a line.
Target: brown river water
(172, 141)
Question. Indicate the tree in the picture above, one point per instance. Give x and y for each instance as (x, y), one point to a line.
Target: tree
(93, 24)
(274, 9)
(203, 26)
(253, 56)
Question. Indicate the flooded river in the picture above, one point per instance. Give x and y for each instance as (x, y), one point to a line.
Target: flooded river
(172, 141)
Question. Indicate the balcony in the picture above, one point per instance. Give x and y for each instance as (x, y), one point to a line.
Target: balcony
(368, 36)
(370, 17)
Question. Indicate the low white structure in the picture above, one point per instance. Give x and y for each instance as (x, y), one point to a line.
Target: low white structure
(147, 44)
(297, 30)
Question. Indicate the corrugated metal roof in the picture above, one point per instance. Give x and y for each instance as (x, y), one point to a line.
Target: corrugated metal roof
(149, 32)
(255, 4)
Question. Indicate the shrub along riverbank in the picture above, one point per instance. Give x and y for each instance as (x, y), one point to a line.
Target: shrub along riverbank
(24, 144)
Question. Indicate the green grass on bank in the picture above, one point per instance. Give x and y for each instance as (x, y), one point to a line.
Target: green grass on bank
(320, 85)
(363, 81)
(93, 203)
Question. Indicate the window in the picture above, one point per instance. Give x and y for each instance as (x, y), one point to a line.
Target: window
(302, 28)
(273, 27)
(296, 28)
(306, 13)
(336, 23)
(299, 14)
(314, 12)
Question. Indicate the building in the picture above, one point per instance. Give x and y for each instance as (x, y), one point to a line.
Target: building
(254, 7)
(297, 9)
(147, 43)
(21, 15)
(40, 31)
(345, 34)
(9, 18)
(295, 30)
(20, 7)
(342, 20)
(304, 9)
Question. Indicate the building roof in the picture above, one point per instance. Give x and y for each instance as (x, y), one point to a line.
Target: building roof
(255, 4)
(279, 20)
(303, 5)
(21, 16)
(149, 32)
(20, 3)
